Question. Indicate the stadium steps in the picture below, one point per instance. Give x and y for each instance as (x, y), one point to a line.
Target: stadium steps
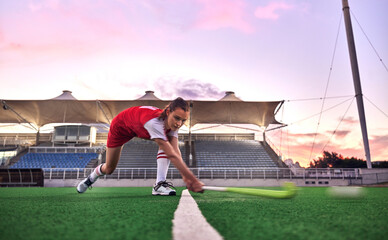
(17, 157)
(141, 154)
(92, 164)
(273, 155)
(232, 154)
(138, 154)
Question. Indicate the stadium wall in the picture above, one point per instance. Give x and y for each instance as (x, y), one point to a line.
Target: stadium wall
(210, 182)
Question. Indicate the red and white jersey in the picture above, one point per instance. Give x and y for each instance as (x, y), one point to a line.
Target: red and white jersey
(142, 122)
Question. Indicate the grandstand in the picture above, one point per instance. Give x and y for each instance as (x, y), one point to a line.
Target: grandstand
(223, 152)
(196, 151)
(140, 153)
(216, 157)
(205, 151)
(245, 153)
(55, 160)
(72, 151)
(208, 150)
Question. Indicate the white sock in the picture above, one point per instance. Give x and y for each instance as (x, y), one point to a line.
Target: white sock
(96, 173)
(163, 164)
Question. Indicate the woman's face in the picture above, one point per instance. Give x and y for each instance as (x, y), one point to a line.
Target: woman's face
(176, 119)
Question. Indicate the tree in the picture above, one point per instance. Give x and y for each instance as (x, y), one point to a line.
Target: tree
(335, 160)
(380, 164)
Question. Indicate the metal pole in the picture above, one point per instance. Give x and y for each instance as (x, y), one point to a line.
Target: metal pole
(264, 140)
(356, 80)
(37, 137)
(190, 151)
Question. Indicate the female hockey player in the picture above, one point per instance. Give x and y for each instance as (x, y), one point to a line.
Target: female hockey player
(155, 124)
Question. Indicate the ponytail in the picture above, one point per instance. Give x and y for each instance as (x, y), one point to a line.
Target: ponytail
(177, 103)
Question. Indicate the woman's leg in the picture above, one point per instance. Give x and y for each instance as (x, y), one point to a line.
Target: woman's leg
(163, 163)
(161, 186)
(112, 158)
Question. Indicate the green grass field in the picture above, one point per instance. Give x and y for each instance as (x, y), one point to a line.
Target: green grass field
(102, 213)
(132, 213)
(310, 215)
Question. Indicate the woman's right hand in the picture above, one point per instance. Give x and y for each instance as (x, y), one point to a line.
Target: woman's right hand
(195, 185)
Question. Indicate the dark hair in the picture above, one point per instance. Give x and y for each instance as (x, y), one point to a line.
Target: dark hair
(177, 103)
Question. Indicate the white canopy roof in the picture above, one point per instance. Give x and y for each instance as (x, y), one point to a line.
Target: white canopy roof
(57, 110)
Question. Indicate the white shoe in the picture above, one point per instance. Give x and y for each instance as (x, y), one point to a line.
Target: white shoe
(163, 188)
(84, 185)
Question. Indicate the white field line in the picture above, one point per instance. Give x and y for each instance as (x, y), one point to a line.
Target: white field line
(189, 223)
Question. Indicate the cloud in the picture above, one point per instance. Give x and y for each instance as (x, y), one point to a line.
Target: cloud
(190, 89)
(339, 134)
(24, 53)
(218, 14)
(350, 121)
(270, 11)
(92, 89)
(298, 146)
(56, 30)
(378, 147)
(47, 4)
(1, 37)
(179, 14)
(201, 14)
(297, 138)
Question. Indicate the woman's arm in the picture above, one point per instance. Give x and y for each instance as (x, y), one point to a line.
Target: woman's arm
(175, 145)
(173, 153)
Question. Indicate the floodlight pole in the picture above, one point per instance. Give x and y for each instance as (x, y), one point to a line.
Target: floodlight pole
(356, 80)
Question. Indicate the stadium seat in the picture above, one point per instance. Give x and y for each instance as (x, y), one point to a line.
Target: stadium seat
(55, 160)
(232, 154)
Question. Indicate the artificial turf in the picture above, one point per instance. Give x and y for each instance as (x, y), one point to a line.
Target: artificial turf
(312, 214)
(133, 213)
(100, 213)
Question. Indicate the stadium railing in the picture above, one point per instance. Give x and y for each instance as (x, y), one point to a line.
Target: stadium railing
(274, 148)
(19, 141)
(211, 173)
(66, 149)
(371, 178)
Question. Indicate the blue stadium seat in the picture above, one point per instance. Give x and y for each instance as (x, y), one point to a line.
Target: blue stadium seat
(55, 160)
(233, 154)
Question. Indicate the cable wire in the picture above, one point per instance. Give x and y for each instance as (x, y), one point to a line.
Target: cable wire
(330, 108)
(281, 132)
(334, 132)
(376, 106)
(310, 99)
(366, 36)
(327, 86)
(288, 146)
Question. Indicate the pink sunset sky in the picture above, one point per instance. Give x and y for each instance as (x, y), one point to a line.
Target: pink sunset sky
(198, 49)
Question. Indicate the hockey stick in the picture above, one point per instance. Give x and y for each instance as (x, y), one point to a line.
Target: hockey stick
(289, 191)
